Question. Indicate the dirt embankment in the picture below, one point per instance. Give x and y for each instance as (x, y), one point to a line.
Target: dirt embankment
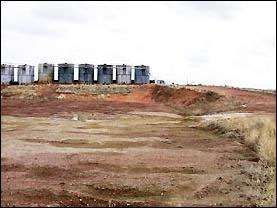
(183, 101)
(200, 101)
(182, 96)
(48, 99)
(166, 95)
(244, 100)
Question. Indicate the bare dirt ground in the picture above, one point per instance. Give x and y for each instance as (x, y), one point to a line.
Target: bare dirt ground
(86, 149)
(250, 101)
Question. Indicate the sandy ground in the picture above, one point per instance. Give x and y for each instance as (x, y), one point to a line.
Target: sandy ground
(130, 159)
(90, 152)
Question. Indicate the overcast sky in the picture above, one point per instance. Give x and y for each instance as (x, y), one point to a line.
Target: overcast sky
(216, 43)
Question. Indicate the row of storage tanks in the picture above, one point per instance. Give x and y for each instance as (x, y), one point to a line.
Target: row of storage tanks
(25, 73)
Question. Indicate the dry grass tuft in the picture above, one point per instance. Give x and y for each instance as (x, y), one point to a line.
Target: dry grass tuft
(260, 134)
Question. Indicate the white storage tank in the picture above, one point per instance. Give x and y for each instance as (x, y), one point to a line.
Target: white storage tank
(25, 74)
(45, 73)
(123, 74)
(7, 74)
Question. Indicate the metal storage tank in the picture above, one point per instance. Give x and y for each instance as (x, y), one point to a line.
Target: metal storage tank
(160, 82)
(25, 74)
(7, 73)
(45, 73)
(65, 73)
(86, 73)
(105, 74)
(123, 74)
(142, 74)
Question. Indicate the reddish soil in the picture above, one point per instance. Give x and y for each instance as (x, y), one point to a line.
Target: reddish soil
(206, 100)
(184, 167)
(254, 101)
(164, 95)
(119, 159)
(192, 98)
(139, 95)
(37, 108)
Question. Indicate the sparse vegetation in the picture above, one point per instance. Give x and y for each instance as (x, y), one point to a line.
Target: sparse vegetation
(259, 133)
